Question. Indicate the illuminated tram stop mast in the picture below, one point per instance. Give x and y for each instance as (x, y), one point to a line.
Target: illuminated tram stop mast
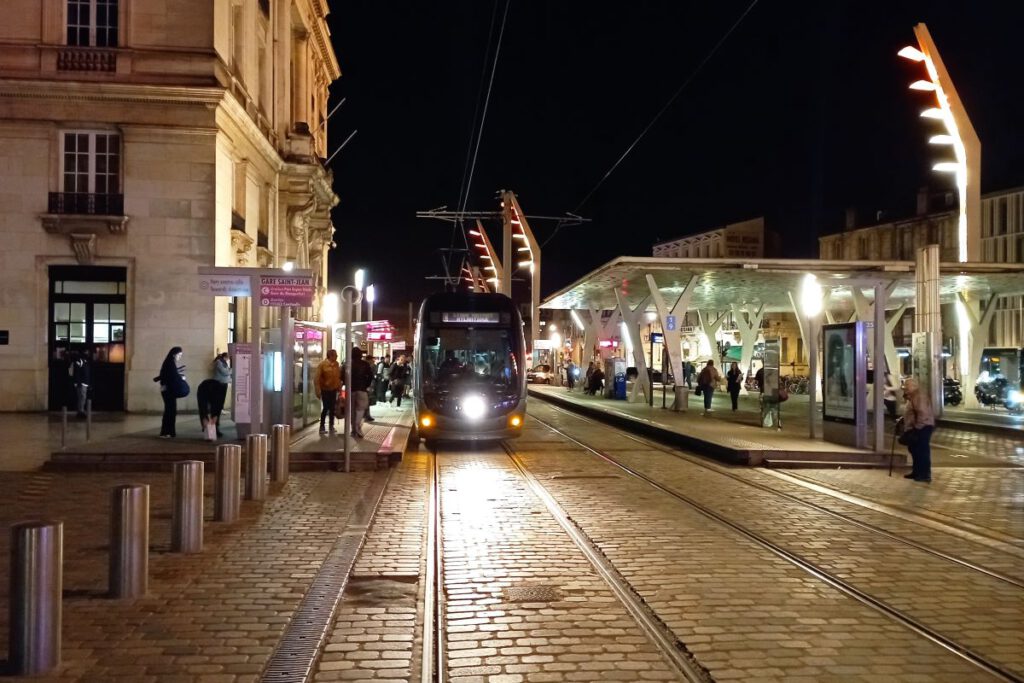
(516, 234)
(966, 165)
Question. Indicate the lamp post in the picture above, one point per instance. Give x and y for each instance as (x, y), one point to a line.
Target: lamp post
(371, 296)
(810, 304)
(359, 280)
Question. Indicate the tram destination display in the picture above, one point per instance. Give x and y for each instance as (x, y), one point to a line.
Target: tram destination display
(471, 317)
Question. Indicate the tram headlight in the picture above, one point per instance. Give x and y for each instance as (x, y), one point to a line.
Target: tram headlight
(473, 407)
(426, 421)
(516, 421)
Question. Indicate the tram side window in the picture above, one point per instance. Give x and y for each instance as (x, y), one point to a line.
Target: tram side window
(459, 354)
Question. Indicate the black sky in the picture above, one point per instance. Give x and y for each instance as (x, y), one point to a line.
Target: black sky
(803, 112)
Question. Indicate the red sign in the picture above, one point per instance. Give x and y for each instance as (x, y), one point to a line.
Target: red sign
(286, 290)
(378, 336)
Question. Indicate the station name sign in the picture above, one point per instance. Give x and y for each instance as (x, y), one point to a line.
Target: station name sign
(286, 290)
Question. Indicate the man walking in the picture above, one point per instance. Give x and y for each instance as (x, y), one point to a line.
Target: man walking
(362, 378)
(80, 376)
(326, 385)
(707, 381)
(399, 377)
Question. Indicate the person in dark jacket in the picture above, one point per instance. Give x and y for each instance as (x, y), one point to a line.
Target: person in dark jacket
(81, 377)
(733, 383)
(399, 376)
(171, 376)
(362, 378)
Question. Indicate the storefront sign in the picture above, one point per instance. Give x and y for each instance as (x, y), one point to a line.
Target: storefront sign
(286, 290)
(225, 285)
(542, 344)
(378, 336)
(839, 401)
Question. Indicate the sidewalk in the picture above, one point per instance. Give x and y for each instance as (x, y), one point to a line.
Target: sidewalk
(736, 437)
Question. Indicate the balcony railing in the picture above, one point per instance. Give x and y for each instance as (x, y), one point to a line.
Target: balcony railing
(86, 203)
(86, 59)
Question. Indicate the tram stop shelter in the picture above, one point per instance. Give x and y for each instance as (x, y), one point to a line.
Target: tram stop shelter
(638, 290)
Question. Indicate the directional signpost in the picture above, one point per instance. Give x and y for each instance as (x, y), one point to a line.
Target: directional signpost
(264, 287)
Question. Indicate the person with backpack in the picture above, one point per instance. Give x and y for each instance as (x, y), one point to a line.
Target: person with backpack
(708, 379)
(733, 384)
(327, 383)
(172, 387)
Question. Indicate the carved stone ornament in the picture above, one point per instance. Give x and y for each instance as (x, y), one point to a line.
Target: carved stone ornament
(264, 257)
(84, 246)
(242, 244)
(65, 224)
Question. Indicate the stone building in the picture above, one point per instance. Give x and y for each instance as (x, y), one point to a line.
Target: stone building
(735, 240)
(139, 141)
(1002, 241)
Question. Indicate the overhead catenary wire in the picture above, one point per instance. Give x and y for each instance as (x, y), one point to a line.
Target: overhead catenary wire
(689, 79)
(464, 198)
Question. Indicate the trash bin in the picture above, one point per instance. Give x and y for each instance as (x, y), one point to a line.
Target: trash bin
(682, 398)
(619, 389)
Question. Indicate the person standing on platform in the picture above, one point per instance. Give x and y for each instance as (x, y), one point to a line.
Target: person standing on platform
(362, 378)
(81, 377)
(570, 375)
(383, 378)
(918, 425)
(399, 376)
(688, 374)
(371, 392)
(172, 387)
(759, 379)
(708, 379)
(326, 385)
(732, 380)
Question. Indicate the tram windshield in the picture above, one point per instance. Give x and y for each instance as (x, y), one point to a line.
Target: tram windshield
(461, 355)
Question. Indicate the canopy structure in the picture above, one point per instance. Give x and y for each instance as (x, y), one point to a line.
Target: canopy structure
(642, 289)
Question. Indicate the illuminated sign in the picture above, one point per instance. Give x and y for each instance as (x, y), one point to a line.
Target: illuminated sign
(470, 317)
(608, 343)
(378, 336)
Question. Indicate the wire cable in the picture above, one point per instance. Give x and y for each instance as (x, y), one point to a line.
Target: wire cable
(671, 100)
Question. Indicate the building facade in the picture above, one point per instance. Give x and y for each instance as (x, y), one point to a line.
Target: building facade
(1002, 241)
(139, 141)
(735, 240)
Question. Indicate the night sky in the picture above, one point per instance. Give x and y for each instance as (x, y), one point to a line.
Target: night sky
(803, 112)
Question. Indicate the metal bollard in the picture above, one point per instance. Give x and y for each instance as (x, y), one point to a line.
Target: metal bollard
(37, 549)
(88, 419)
(256, 467)
(226, 493)
(187, 515)
(129, 541)
(282, 435)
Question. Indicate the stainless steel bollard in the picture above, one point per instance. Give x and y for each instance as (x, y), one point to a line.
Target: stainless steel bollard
(37, 549)
(256, 467)
(282, 436)
(226, 492)
(88, 419)
(129, 541)
(187, 515)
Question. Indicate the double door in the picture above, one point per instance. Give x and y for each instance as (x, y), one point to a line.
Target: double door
(88, 319)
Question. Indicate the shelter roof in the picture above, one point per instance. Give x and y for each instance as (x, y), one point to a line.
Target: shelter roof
(722, 282)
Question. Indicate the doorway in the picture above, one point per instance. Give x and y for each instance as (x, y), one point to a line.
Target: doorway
(87, 316)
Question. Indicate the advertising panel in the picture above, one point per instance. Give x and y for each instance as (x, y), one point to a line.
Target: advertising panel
(839, 395)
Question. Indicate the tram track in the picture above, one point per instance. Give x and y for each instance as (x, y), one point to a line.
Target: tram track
(867, 526)
(906, 620)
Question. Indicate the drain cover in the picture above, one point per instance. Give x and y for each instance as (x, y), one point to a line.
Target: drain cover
(535, 593)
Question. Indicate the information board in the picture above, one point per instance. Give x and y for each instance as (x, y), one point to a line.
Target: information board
(286, 290)
(839, 395)
(225, 285)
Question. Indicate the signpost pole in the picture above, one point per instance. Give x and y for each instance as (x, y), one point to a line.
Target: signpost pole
(255, 360)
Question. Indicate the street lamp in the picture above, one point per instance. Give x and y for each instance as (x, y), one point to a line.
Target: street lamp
(330, 308)
(810, 305)
(960, 135)
(288, 266)
(359, 280)
(371, 296)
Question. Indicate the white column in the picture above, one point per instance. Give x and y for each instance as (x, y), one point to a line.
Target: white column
(631, 321)
(975, 321)
(673, 339)
(710, 328)
(748, 322)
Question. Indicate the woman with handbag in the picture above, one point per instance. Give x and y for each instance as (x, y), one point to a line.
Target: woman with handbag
(918, 425)
(172, 387)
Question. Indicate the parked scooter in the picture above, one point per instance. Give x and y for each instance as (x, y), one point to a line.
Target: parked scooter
(951, 394)
(992, 393)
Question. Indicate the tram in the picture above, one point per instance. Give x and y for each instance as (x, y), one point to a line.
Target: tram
(469, 375)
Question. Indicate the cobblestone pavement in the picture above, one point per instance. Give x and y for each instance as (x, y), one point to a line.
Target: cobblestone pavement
(210, 617)
(746, 613)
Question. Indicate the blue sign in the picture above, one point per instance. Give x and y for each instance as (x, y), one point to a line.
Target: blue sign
(670, 323)
(657, 338)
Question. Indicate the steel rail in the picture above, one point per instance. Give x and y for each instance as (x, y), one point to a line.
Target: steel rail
(659, 633)
(432, 657)
(842, 586)
(917, 545)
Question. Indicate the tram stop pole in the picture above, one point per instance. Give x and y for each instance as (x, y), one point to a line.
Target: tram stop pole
(350, 296)
(37, 549)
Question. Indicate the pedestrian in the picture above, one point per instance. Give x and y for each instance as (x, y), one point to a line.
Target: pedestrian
(688, 374)
(759, 379)
(586, 382)
(383, 372)
(707, 381)
(362, 378)
(371, 393)
(732, 382)
(570, 375)
(596, 383)
(81, 377)
(399, 376)
(918, 425)
(172, 387)
(326, 385)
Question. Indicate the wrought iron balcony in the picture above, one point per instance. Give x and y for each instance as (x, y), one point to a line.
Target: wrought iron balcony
(86, 204)
(86, 59)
